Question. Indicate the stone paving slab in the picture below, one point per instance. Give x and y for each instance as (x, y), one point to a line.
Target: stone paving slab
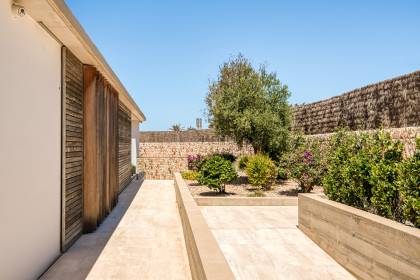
(141, 239)
(263, 242)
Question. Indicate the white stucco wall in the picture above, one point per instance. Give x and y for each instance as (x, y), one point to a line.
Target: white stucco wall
(29, 147)
(134, 142)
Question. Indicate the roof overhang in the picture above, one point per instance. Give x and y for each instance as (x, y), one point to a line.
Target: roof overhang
(59, 20)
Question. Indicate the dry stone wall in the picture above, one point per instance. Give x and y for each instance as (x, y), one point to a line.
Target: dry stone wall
(390, 104)
(161, 153)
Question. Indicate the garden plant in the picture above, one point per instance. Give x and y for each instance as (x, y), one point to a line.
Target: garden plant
(216, 172)
(243, 161)
(368, 171)
(303, 163)
(409, 185)
(261, 171)
(250, 105)
(189, 175)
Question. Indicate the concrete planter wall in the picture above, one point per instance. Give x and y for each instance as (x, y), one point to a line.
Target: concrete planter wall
(207, 261)
(369, 246)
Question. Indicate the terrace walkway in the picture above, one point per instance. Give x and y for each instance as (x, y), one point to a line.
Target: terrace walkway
(263, 242)
(142, 238)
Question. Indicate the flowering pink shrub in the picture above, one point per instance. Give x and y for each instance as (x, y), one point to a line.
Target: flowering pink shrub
(303, 163)
(194, 162)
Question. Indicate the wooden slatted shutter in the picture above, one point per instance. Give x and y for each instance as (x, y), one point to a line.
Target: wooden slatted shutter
(72, 151)
(124, 146)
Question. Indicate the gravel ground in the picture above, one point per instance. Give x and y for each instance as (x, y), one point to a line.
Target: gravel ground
(240, 188)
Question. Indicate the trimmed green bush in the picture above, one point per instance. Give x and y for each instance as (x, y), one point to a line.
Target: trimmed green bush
(386, 155)
(282, 173)
(363, 171)
(189, 175)
(227, 156)
(216, 172)
(242, 162)
(261, 171)
(409, 185)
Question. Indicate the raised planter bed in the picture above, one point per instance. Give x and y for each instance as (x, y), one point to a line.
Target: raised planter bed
(369, 246)
(205, 257)
(239, 193)
(246, 201)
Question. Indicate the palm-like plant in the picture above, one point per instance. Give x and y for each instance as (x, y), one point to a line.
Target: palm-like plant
(176, 127)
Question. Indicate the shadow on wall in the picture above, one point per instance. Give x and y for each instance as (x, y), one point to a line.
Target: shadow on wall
(77, 262)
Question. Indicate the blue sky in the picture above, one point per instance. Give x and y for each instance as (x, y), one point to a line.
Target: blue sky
(165, 52)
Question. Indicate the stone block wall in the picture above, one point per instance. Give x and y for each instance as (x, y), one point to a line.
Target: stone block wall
(390, 104)
(163, 153)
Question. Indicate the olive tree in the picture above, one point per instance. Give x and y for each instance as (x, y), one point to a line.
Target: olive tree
(250, 105)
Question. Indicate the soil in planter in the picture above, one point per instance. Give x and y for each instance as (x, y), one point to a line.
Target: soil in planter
(241, 188)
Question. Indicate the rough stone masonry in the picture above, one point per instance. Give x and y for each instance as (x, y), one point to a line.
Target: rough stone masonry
(393, 104)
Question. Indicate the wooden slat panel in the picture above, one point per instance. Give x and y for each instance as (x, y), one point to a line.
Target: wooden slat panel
(101, 148)
(124, 146)
(90, 190)
(72, 149)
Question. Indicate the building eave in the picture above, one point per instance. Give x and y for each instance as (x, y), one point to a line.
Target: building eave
(60, 21)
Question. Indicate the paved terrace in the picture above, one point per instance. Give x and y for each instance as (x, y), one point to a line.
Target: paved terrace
(263, 242)
(141, 239)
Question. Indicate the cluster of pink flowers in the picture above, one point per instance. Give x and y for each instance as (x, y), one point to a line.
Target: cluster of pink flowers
(193, 161)
(308, 156)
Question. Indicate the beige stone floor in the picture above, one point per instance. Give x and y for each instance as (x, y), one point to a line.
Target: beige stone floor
(142, 238)
(262, 242)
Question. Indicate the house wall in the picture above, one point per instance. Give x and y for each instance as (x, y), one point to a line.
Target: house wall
(134, 141)
(30, 127)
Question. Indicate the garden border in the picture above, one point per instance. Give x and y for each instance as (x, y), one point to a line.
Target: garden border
(205, 257)
(369, 246)
(246, 201)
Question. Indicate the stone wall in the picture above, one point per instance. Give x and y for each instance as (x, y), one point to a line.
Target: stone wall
(390, 104)
(202, 135)
(163, 153)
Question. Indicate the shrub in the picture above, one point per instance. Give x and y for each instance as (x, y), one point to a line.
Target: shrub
(227, 156)
(194, 162)
(243, 162)
(346, 178)
(189, 175)
(303, 163)
(216, 172)
(362, 172)
(133, 169)
(409, 185)
(261, 171)
(282, 174)
(385, 155)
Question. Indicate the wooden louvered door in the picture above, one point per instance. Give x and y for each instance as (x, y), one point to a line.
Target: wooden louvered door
(72, 149)
(124, 146)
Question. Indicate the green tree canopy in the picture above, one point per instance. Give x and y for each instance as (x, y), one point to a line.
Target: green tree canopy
(250, 106)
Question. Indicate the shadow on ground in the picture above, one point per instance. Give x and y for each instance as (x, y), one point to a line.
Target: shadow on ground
(79, 259)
